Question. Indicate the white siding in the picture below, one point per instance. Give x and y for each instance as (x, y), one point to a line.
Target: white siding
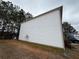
(45, 29)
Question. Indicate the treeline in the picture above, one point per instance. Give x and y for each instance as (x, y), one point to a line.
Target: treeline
(11, 17)
(69, 32)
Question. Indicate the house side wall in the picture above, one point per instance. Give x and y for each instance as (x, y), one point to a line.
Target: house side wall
(45, 29)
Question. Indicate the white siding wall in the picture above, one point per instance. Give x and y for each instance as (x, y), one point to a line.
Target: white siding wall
(45, 29)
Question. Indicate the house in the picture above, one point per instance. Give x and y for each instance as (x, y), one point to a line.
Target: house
(44, 29)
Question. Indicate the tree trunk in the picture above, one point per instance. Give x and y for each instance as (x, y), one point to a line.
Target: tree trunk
(3, 28)
(18, 32)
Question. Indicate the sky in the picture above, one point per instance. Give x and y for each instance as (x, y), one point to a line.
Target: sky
(36, 7)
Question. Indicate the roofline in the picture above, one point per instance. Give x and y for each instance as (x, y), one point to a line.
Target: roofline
(60, 8)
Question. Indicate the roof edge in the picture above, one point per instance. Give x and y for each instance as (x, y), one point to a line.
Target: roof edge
(60, 8)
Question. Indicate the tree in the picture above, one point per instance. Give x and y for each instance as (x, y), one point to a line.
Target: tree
(68, 30)
(12, 17)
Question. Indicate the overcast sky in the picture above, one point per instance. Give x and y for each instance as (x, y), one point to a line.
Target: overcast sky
(36, 7)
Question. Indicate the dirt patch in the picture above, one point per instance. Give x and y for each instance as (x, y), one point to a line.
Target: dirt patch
(13, 49)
